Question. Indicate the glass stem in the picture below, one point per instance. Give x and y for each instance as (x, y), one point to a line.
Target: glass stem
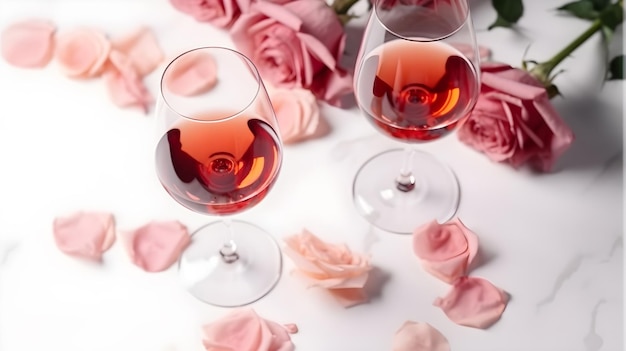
(405, 181)
(229, 248)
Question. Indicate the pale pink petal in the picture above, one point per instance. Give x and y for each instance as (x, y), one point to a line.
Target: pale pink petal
(278, 13)
(124, 84)
(142, 50)
(473, 302)
(192, 74)
(28, 44)
(244, 330)
(155, 246)
(416, 336)
(82, 52)
(85, 234)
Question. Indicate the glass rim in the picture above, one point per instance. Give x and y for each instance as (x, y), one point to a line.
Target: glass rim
(450, 33)
(245, 58)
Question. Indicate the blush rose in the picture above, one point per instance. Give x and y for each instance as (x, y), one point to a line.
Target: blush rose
(298, 114)
(295, 45)
(445, 250)
(221, 13)
(514, 122)
(331, 266)
(244, 330)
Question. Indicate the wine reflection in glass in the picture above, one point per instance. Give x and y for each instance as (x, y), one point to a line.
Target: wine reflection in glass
(416, 78)
(219, 154)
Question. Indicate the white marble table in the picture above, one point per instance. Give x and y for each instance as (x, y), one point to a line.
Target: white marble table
(553, 241)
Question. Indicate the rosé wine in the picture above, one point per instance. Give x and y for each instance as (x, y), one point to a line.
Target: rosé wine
(219, 168)
(416, 91)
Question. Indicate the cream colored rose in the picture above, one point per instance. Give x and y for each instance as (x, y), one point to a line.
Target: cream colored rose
(331, 266)
(82, 52)
(298, 114)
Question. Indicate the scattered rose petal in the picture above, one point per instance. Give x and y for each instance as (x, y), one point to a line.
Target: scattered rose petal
(154, 247)
(473, 302)
(193, 73)
(244, 330)
(298, 114)
(82, 52)
(445, 250)
(85, 234)
(28, 44)
(333, 267)
(415, 336)
(124, 83)
(141, 50)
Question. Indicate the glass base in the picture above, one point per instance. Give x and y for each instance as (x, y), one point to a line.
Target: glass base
(435, 195)
(233, 279)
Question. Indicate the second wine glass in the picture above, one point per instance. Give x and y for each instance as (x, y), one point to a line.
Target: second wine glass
(219, 154)
(416, 78)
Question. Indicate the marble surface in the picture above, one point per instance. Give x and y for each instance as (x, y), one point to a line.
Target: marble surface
(553, 241)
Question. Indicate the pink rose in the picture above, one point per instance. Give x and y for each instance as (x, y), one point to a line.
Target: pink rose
(473, 302)
(415, 336)
(29, 43)
(295, 45)
(243, 330)
(333, 267)
(514, 122)
(446, 250)
(221, 13)
(82, 53)
(298, 114)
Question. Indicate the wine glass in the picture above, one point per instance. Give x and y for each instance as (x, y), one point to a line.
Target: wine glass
(416, 77)
(219, 153)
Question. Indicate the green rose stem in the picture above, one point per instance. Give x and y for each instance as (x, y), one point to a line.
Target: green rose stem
(542, 71)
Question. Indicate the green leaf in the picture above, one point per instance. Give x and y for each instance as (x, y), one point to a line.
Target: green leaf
(582, 9)
(600, 5)
(500, 22)
(509, 12)
(612, 16)
(616, 68)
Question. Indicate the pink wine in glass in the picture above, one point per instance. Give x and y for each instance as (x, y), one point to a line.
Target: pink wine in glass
(205, 169)
(416, 91)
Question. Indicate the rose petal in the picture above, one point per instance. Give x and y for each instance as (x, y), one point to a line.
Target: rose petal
(124, 83)
(84, 234)
(82, 52)
(416, 336)
(445, 250)
(473, 302)
(155, 246)
(28, 44)
(244, 330)
(192, 74)
(142, 50)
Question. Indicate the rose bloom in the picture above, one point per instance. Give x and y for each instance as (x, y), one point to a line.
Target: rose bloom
(221, 13)
(514, 122)
(446, 250)
(244, 330)
(295, 45)
(298, 114)
(330, 266)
